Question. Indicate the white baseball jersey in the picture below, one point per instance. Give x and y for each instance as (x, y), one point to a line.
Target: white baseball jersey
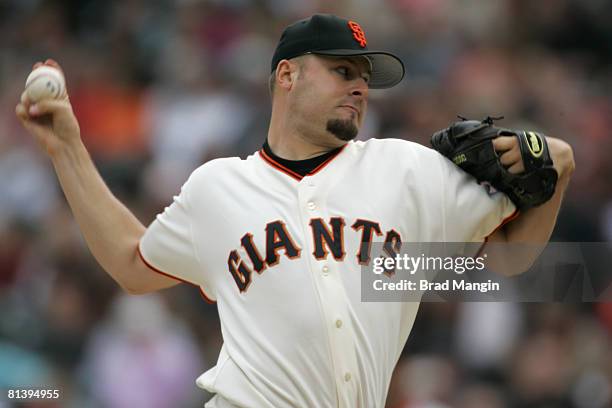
(281, 255)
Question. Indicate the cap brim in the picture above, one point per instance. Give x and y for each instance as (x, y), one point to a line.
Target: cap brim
(387, 69)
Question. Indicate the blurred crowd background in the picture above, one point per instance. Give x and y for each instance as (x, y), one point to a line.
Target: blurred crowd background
(160, 87)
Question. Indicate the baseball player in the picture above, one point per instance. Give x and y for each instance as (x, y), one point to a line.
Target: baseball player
(278, 240)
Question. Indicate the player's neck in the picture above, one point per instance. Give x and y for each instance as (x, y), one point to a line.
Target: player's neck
(291, 148)
(288, 143)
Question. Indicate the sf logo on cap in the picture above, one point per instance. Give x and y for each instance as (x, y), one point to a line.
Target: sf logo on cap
(358, 33)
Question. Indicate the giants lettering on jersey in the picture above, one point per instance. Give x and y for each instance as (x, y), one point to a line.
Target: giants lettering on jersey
(327, 237)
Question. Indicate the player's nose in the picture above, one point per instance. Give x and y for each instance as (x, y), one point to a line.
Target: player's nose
(360, 88)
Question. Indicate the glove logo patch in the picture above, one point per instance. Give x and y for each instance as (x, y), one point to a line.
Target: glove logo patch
(460, 158)
(535, 144)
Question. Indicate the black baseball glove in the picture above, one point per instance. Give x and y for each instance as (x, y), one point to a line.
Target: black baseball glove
(469, 144)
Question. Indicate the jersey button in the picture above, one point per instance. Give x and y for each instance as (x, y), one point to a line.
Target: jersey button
(325, 270)
(347, 377)
(311, 206)
(338, 323)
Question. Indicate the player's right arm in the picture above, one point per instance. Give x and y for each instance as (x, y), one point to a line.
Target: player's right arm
(111, 231)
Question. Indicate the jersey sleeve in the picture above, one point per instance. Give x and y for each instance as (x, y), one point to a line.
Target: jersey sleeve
(168, 247)
(472, 211)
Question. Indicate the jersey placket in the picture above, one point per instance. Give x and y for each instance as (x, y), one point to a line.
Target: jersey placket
(332, 295)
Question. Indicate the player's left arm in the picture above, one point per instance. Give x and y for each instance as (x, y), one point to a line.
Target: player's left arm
(534, 226)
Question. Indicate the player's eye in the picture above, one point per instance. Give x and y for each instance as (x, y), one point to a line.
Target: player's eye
(349, 74)
(344, 71)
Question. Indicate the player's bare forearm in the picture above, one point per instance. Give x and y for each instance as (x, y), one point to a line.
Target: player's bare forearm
(112, 232)
(535, 226)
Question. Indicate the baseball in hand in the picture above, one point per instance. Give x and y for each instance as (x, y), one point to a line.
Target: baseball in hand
(45, 82)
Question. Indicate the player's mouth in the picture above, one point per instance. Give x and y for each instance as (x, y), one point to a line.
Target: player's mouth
(351, 108)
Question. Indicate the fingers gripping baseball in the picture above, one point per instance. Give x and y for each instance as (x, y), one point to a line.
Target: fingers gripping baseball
(50, 120)
(509, 152)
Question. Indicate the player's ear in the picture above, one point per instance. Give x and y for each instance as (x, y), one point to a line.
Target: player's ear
(286, 74)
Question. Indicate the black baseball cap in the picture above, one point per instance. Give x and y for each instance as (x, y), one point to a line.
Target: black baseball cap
(326, 34)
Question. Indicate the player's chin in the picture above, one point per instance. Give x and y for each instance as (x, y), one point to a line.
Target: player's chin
(343, 129)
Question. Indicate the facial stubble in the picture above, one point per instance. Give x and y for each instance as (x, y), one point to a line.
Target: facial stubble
(343, 129)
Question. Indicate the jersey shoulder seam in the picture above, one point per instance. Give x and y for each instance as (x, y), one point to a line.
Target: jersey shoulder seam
(192, 236)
